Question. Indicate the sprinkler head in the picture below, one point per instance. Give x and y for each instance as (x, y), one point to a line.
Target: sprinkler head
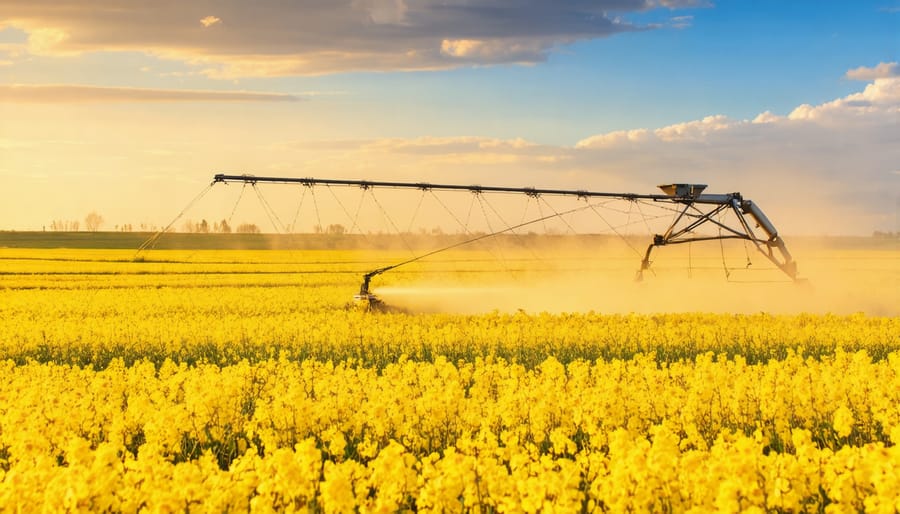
(366, 297)
(371, 302)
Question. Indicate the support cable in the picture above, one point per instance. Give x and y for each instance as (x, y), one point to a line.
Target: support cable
(496, 213)
(519, 236)
(353, 221)
(566, 223)
(464, 226)
(525, 211)
(312, 193)
(661, 206)
(297, 213)
(502, 258)
(722, 248)
(270, 212)
(236, 203)
(391, 221)
(643, 216)
(230, 216)
(469, 214)
(415, 212)
(541, 213)
(362, 199)
(616, 232)
(450, 212)
(690, 260)
(151, 241)
(469, 241)
(484, 213)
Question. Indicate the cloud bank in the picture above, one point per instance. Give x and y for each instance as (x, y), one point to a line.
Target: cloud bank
(234, 38)
(69, 93)
(829, 168)
(824, 168)
(881, 71)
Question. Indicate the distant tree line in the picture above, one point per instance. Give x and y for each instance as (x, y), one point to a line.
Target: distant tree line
(333, 229)
(92, 223)
(65, 225)
(218, 227)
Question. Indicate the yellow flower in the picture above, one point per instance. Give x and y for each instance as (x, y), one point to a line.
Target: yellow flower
(843, 421)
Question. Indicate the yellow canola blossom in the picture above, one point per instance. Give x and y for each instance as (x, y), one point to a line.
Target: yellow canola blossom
(232, 381)
(709, 435)
(88, 307)
(224, 324)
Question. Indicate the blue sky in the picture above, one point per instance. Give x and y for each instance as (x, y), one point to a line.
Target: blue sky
(315, 86)
(738, 58)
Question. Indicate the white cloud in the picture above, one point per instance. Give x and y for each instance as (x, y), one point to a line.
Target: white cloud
(496, 50)
(468, 150)
(803, 112)
(384, 12)
(461, 155)
(878, 102)
(828, 167)
(616, 138)
(447, 145)
(678, 4)
(881, 71)
(681, 22)
(696, 130)
(766, 117)
(271, 37)
(48, 41)
(70, 93)
(880, 98)
(209, 21)
(693, 130)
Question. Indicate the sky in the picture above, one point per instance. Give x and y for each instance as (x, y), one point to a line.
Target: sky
(129, 108)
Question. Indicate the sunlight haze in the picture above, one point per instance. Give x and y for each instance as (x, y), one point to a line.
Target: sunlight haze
(128, 109)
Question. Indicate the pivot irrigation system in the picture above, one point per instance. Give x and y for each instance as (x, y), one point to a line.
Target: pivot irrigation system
(692, 209)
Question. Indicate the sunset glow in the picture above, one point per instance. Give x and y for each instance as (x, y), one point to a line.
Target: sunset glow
(128, 109)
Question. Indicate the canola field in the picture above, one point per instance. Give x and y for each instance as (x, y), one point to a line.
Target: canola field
(247, 381)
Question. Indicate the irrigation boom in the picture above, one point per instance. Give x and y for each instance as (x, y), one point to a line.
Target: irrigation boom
(424, 186)
(695, 209)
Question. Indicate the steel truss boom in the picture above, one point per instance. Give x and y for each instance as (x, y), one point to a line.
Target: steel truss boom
(695, 209)
(691, 217)
(366, 184)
